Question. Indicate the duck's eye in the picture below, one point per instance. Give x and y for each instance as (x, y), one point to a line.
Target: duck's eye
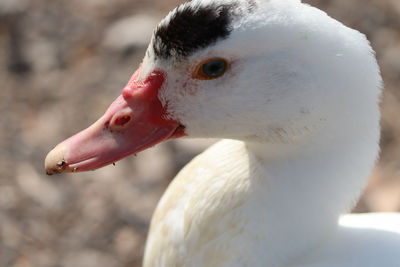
(211, 69)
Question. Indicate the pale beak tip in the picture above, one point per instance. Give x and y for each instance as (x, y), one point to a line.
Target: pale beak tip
(55, 161)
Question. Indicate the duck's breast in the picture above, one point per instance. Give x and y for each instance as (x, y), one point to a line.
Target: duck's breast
(200, 220)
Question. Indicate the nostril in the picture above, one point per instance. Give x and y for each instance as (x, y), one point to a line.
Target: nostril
(123, 120)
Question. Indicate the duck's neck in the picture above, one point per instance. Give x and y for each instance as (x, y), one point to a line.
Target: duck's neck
(302, 191)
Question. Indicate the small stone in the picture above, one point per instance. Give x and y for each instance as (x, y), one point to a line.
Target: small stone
(9, 7)
(88, 258)
(130, 32)
(8, 197)
(126, 241)
(37, 187)
(10, 233)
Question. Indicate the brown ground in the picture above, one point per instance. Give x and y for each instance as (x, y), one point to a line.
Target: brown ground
(59, 69)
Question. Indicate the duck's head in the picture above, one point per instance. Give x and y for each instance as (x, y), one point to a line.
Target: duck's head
(274, 71)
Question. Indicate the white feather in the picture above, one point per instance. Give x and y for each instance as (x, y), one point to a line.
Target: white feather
(301, 100)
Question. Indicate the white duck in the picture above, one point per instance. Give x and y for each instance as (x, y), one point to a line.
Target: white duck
(295, 94)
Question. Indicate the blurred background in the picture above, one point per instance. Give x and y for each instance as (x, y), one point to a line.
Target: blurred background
(61, 64)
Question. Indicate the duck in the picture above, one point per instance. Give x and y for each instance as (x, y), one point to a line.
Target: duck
(294, 95)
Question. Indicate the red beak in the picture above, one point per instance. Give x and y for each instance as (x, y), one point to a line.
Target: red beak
(134, 122)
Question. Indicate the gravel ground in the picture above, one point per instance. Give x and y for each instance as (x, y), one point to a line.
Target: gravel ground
(61, 64)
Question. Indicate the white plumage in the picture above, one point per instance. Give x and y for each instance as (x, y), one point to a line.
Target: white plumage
(303, 101)
(298, 107)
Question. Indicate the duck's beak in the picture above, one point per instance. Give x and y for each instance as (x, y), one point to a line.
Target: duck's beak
(134, 121)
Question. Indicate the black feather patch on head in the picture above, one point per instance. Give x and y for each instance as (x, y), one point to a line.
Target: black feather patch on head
(191, 28)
